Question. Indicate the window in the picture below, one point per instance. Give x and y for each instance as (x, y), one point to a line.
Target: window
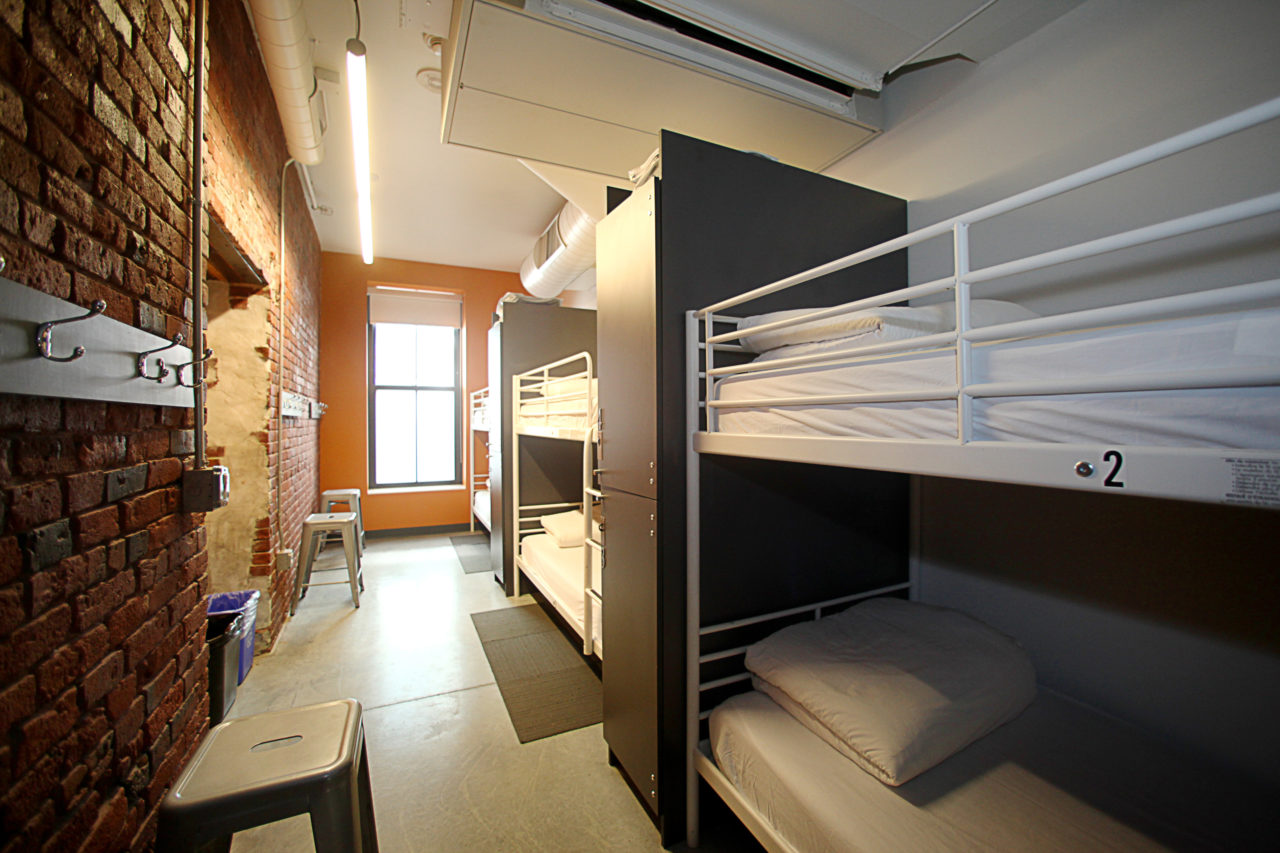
(415, 388)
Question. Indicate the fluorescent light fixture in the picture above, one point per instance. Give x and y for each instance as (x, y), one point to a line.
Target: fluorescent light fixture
(358, 96)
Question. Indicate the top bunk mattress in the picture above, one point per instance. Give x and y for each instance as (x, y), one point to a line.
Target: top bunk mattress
(1058, 777)
(1211, 417)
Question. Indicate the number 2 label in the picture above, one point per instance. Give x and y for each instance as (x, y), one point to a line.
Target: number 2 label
(1116, 460)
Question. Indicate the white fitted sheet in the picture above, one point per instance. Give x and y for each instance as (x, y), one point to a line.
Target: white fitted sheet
(1239, 418)
(1057, 778)
(482, 508)
(557, 572)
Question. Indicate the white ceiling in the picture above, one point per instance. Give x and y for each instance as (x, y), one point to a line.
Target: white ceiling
(467, 207)
(431, 202)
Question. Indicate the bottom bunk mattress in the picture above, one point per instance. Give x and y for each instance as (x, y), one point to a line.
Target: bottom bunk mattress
(1207, 417)
(1058, 777)
(482, 509)
(557, 572)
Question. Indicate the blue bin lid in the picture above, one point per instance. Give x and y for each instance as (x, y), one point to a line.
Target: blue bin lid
(233, 602)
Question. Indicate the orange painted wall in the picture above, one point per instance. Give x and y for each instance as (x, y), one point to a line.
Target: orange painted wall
(344, 437)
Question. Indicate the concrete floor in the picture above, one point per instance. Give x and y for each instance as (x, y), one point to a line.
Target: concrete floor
(448, 773)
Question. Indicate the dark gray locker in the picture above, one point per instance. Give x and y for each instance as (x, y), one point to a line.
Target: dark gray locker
(630, 664)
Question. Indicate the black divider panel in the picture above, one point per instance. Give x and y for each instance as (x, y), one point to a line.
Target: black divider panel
(788, 534)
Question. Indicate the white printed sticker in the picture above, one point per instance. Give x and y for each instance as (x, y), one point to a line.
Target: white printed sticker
(1254, 482)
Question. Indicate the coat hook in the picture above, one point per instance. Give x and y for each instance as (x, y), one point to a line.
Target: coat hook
(161, 370)
(194, 383)
(44, 334)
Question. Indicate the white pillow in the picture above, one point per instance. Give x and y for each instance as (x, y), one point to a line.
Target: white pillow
(895, 685)
(565, 528)
(886, 324)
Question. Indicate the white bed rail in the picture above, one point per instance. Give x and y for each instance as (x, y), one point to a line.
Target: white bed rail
(1222, 475)
(558, 400)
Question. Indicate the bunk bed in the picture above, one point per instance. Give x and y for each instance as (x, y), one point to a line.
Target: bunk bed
(478, 484)
(1173, 397)
(560, 545)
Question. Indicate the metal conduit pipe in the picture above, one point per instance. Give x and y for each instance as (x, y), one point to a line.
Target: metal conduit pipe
(198, 30)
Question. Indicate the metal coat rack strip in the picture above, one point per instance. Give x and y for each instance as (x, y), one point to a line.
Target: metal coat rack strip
(53, 348)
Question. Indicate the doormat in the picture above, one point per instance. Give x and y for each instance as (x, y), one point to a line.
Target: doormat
(473, 552)
(545, 682)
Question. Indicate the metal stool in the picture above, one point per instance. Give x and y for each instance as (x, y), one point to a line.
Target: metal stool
(317, 525)
(271, 766)
(349, 497)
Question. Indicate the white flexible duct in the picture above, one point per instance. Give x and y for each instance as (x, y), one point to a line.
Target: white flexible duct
(286, 51)
(576, 232)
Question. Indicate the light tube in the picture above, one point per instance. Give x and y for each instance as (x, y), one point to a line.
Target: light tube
(358, 98)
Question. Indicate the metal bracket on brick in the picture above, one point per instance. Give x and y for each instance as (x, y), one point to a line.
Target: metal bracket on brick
(106, 367)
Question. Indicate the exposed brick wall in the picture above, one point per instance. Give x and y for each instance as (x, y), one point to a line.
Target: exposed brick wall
(103, 664)
(246, 155)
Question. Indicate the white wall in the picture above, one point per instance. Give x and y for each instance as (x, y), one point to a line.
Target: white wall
(1109, 77)
(1102, 80)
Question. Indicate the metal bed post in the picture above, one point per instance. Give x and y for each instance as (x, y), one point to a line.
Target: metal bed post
(515, 480)
(963, 347)
(693, 583)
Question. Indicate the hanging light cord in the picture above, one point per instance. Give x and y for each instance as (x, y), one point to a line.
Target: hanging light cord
(357, 2)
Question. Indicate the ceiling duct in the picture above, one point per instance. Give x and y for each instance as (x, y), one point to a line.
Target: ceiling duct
(564, 251)
(286, 51)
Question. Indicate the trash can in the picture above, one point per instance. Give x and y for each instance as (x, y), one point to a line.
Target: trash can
(223, 636)
(245, 604)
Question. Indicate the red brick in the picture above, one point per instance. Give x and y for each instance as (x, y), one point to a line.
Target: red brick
(12, 611)
(99, 681)
(44, 730)
(57, 149)
(33, 641)
(85, 415)
(81, 571)
(138, 512)
(109, 825)
(146, 638)
(93, 645)
(32, 414)
(37, 455)
(165, 531)
(130, 722)
(44, 589)
(57, 671)
(148, 445)
(101, 451)
(72, 830)
(33, 504)
(162, 472)
(38, 225)
(17, 702)
(84, 490)
(93, 606)
(121, 697)
(96, 526)
(26, 801)
(126, 619)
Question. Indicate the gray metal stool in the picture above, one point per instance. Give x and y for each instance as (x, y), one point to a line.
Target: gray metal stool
(349, 497)
(317, 525)
(271, 766)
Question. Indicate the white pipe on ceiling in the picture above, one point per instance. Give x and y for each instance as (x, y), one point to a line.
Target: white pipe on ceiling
(286, 51)
(573, 233)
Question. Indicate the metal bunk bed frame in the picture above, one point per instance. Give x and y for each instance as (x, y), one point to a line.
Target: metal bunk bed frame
(479, 423)
(527, 391)
(1213, 475)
